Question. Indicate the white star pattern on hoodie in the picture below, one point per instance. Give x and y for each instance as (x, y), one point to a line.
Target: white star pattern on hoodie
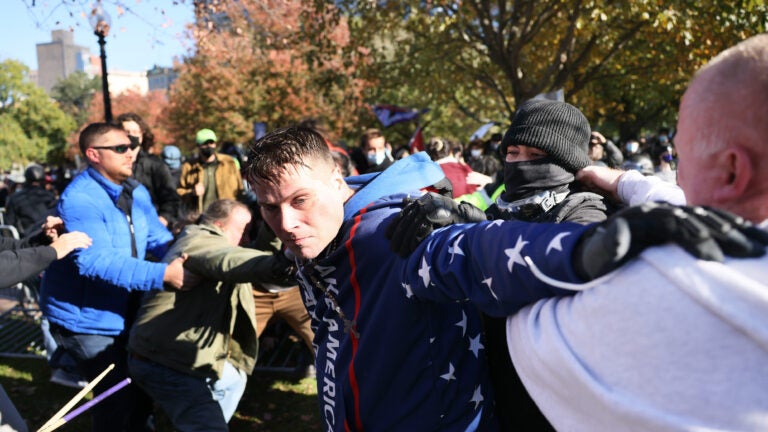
(557, 243)
(449, 376)
(455, 249)
(488, 282)
(462, 323)
(477, 397)
(475, 345)
(408, 290)
(424, 272)
(514, 254)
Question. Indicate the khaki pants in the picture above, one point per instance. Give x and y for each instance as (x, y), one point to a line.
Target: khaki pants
(286, 305)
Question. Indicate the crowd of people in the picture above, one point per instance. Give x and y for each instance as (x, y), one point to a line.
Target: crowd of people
(499, 286)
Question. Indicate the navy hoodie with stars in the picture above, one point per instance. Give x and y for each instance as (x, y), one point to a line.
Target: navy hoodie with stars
(406, 352)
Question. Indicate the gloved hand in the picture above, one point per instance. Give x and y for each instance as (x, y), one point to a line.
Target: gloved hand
(704, 232)
(284, 268)
(422, 216)
(494, 212)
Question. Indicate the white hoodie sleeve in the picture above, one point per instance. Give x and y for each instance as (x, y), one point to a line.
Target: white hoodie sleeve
(635, 188)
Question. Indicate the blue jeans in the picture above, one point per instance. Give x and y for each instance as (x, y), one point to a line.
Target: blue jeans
(125, 410)
(228, 389)
(192, 403)
(57, 358)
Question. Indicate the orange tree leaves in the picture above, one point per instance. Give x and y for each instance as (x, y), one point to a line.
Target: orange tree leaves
(152, 107)
(268, 61)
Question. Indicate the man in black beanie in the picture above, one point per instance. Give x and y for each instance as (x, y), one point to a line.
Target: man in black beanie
(547, 143)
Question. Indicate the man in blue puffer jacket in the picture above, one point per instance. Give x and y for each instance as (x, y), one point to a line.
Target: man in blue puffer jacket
(86, 296)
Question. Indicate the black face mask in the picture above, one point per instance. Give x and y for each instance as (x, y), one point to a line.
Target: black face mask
(522, 179)
(207, 151)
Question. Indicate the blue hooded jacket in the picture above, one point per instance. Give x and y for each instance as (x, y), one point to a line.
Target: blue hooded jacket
(87, 292)
(392, 357)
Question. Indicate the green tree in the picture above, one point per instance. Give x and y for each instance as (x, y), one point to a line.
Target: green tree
(74, 94)
(33, 126)
(410, 68)
(15, 145)
(623, 62)
(642, 89)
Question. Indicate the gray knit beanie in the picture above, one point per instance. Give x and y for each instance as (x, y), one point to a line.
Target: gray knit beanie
(557, 128)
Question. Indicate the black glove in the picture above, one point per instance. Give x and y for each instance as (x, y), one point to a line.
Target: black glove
(284, 269)
(494, 212)
(422, 216)
(704, 232)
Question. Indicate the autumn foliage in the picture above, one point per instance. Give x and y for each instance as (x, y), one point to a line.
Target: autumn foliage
(276, 62)
(152, 107)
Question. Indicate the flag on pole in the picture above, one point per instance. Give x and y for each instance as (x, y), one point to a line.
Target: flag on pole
(416, 143)
(557, 95)
(259, 130)
(481, 131)
(391, 114)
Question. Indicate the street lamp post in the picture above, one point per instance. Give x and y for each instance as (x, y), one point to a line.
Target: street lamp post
(100, 22)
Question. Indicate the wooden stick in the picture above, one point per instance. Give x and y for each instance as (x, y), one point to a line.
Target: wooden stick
(76, 399)
(86, 406)
(52, 426)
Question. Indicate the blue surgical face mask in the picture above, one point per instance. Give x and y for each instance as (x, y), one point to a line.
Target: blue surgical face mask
(632, 147)
(376, 158)
(476, 153)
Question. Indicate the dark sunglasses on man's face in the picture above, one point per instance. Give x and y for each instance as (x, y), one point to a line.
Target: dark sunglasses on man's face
(120, 148)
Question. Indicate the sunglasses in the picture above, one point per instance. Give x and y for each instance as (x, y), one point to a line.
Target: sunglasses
(120, 148)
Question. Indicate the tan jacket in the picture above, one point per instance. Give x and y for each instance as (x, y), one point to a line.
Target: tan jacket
(229, 183)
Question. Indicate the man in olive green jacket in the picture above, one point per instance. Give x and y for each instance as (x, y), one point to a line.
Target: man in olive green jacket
(191, 350)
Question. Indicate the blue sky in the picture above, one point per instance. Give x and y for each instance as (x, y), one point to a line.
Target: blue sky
(147, 32)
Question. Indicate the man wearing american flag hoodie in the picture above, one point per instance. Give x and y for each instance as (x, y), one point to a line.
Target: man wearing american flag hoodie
(389, 360)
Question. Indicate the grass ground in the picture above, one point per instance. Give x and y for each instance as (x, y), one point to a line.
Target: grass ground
(272, 401)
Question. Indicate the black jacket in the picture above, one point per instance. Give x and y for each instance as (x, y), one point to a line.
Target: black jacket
(155, 175)
(20, 261)
(515, 409)
(27, 208)
(578, 207)
(361, 162)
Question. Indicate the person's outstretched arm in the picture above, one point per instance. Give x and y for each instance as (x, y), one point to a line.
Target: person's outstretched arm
(20, 263)
(501, 266)
(629, 187)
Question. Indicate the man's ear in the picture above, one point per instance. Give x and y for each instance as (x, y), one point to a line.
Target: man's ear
(92, 155)
(337, 177)
(737, 174)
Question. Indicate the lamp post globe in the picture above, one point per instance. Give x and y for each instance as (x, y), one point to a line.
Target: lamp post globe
(100, 22)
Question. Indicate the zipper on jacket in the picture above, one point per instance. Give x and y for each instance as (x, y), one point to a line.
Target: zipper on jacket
(134, 249)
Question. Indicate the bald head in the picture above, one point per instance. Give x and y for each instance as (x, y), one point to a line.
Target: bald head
(722, 131)
(727, 96)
